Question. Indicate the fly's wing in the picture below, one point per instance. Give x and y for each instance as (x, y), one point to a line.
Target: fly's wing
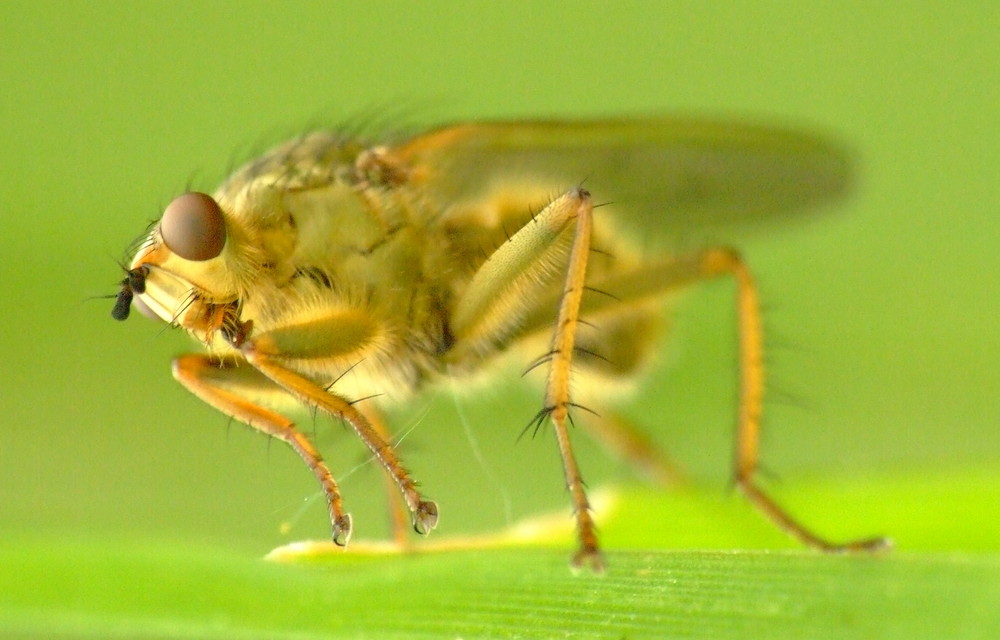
(661, 174)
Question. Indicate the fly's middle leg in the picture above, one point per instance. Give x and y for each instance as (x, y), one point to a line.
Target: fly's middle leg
(501, 294)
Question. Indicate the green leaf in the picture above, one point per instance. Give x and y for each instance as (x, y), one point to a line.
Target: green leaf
(518, 583)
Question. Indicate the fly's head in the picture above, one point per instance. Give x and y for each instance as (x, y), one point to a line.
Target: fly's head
(186, 270)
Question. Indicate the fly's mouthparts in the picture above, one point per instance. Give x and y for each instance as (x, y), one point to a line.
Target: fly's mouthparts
(123, 304)
(136, 279)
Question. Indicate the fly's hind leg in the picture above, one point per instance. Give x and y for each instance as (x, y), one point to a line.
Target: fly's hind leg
(715, 262)
(650, 281)
(612, 350)
(213, 379)
(634, 446)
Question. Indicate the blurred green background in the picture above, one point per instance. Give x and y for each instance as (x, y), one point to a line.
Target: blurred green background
(882, 313)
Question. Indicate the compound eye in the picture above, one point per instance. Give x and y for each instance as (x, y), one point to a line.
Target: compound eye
(193, 227)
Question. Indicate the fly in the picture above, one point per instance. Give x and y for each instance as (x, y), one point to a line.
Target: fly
(332, 269)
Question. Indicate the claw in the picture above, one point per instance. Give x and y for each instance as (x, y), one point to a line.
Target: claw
(590, 558)
(870, 545)
(426, 517)
(342, 530)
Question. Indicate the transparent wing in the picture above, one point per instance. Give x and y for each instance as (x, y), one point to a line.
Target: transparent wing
(660, 173)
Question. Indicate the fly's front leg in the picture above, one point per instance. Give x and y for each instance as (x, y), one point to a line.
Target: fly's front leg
(424, 513)
(498, 297)
(212, 379)
(398, 510)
